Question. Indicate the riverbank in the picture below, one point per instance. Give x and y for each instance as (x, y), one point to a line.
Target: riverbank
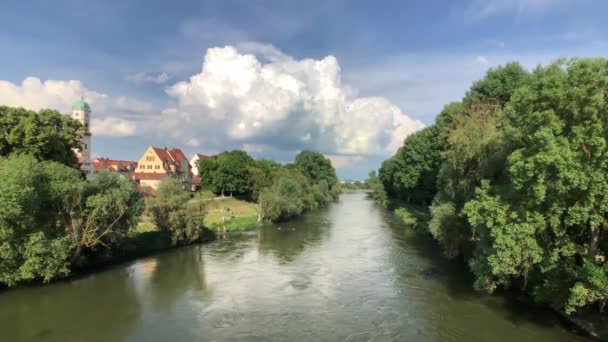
(141, 243)
(346, 271)
(146, 240)
(591, 324)
(235, 214)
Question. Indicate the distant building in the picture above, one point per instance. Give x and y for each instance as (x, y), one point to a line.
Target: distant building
(81, 111)
(125, 167)
(158, 163)
(195, 157)
(196, 179)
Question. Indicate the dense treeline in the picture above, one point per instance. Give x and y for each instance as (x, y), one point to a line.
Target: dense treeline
(52, 219)
(45, 135)
(281, 191)
(516, 175)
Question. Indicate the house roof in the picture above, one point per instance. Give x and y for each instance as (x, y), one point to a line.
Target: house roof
(113, 165)
(173, 155)
(163, 153)
(178, 155)
(200, 156)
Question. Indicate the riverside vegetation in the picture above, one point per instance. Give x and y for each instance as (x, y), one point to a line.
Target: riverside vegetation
(53, 221)
(515, 179)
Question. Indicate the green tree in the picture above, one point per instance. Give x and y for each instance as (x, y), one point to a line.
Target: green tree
(177, 216)
(231, 174)
(288, 196)
(206, 168)
(507, 240)
(102, 214)
(591, 287)
(262, 175)
(376, 188)
(498, 85)
(31, 244)
(522, 187)
(46, 135)
(411, 173)
(316, 167)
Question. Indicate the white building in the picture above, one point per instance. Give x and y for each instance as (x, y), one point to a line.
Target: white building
(81, 111)
(195, 157)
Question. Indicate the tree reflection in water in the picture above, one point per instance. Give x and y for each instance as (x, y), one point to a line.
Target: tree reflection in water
(74, 311)
(287, 240)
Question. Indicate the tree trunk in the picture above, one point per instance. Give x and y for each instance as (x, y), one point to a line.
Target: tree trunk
(595, 238)
(76, 255)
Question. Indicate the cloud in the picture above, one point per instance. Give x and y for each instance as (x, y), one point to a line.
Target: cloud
(340, 162)
(193, 142)
(113, 116)
(487, 8)
(253, 148)
(482, 60)
(114, 127)
(143, 77)
(286, 103)
(267, 51)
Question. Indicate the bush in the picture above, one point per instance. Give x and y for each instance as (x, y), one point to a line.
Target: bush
(445, 228)
(32, 245)
(173, 213)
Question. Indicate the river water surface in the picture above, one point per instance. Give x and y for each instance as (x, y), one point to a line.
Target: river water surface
(350, 272)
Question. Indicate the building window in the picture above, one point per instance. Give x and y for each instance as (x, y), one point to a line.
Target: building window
(149, 158)
(85, 146)
(149, 167)
(86, 126)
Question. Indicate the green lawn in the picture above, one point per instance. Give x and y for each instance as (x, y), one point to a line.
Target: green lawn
(240, 215)
(415, 216)
(145, 225)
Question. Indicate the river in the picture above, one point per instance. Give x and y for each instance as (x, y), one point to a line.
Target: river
(350, 272)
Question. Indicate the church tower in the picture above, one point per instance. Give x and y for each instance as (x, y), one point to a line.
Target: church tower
(81, 111)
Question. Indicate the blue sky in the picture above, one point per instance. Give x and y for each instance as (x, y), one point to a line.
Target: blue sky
(348, 78)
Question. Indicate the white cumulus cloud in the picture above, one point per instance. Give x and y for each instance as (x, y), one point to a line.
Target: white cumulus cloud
(113, 127)
(110, 114)
(340, 162)
(286, 103)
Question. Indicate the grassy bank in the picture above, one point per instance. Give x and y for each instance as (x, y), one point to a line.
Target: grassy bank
(146, 239)
(414, 216)
(239, 214)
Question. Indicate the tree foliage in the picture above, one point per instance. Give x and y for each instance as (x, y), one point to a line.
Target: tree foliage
(411, 173)
(103, 212)
(229, 172)
(27, 232)
(281, 191)
(522, 180)
(46, 135)
(175, 214)
(49, 215)
(316, 167)
(206, 167)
